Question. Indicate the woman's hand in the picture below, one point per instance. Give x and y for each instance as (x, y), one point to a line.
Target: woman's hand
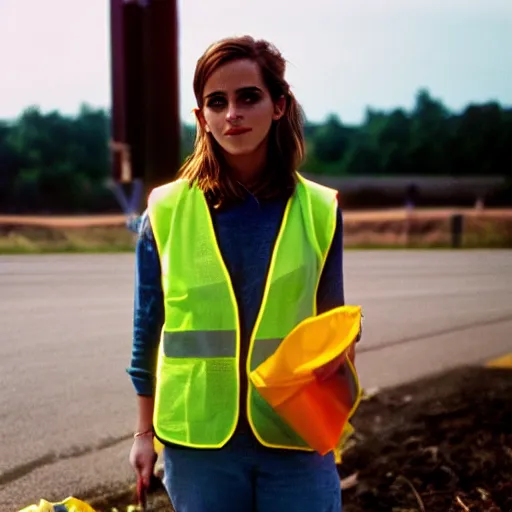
(143, 458)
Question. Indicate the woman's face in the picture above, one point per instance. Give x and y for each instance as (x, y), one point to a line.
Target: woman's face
(237, 107)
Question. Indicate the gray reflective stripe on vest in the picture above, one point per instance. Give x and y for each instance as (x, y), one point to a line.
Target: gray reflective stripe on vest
(200, 343)
(214, 344)
(262, 350)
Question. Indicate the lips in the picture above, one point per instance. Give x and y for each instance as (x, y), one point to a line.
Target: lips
(237, 131)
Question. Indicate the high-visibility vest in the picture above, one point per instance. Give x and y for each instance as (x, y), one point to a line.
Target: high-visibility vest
(197, 397)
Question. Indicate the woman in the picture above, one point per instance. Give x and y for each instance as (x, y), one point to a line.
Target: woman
(230, 258)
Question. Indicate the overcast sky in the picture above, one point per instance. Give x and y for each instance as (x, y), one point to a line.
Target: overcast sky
(344, 55)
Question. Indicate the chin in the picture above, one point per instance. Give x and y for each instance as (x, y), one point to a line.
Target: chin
(240, 150)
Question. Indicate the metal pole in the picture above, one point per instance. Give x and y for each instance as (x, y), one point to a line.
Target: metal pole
(118, 121)
(457, 229)
(134, 86)
(162, 155)
(145, 96)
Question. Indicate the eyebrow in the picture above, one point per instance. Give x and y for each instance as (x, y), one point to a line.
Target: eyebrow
(251, 88)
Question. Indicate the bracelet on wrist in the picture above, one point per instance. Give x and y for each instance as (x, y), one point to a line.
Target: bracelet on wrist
(143, 433)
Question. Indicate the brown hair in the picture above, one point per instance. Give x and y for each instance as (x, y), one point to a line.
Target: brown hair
(286, 138)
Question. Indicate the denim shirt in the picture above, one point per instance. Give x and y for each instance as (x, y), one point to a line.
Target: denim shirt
(246, 233)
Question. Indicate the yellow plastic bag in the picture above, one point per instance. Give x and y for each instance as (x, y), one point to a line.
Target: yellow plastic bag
(68, 505)
(318, 410)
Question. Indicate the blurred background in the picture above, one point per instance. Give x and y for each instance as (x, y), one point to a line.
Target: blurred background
(408, 106)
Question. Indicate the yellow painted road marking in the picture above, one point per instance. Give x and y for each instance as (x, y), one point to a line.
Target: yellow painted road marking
(500, 362)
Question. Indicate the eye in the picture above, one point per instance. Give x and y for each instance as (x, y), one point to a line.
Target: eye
(216, 102)
(250, 97)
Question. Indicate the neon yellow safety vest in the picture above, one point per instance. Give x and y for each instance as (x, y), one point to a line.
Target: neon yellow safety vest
(198, 382)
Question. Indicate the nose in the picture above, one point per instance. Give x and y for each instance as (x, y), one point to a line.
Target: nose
(232, 114)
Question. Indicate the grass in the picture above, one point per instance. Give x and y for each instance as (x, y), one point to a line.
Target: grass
(366, 231)
(44, 240)
(6, 251)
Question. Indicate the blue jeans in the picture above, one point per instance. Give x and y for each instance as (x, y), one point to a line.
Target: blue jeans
(244, 476)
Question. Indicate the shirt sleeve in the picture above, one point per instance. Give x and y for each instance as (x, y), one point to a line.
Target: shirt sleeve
(148, 311)
(330, 292)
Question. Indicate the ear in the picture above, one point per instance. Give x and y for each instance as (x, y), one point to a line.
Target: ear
(279, 108)
(201, 120)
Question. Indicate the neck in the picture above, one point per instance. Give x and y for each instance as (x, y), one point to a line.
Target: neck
(247, 169)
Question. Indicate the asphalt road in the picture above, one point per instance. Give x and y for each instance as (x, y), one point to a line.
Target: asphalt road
(67, 407)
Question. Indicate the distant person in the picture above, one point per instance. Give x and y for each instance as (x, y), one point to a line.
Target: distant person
(230, 258)
(411, 196)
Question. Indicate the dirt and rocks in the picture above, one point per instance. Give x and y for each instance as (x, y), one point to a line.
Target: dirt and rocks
(441, 444)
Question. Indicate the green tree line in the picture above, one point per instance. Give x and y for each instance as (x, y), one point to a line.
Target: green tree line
(54, 163)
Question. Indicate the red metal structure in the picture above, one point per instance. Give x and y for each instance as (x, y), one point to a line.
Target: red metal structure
(145, 97)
